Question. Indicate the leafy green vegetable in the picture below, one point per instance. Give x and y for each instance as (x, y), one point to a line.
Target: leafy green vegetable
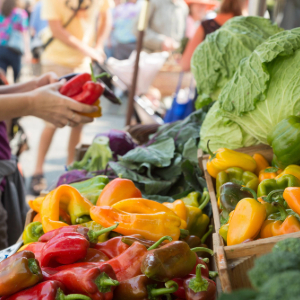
(216, 59)
(288, 245)
(266, 87)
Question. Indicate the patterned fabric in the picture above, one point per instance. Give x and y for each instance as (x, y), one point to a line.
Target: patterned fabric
(210, 26)
(17, 20)
(4, 150)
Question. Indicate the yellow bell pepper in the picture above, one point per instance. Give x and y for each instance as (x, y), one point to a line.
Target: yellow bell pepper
(36, 204)
(77, 206)
(225, 158)
(291, 169)
(178, 207)
(144, 206)
(246, 220)
(152, 226)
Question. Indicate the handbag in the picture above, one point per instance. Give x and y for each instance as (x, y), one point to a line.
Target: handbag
(16, 42)
(37, 45)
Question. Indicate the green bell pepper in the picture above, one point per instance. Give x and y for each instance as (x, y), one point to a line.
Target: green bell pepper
(285, 141)
(32, 232)
(269, 185)
(238, 176)
(192, 199)
(91, 188)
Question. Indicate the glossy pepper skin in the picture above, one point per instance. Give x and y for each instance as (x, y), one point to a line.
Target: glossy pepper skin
(178, 207)
(32, 232)
(225, 158)
(64, 248)
(91, 92)
(269, 185)
(169, 261)
(117, 190)
(261, 163)
(238, 176)
(192, 199)
(113, 247)
(284, 139)
(48, 290)
(91, 188)
(77, 206)
(246, 221)
(199, 288)
(94, 255)
(18, 272)
(151, 226)
(283, 225)
(292, 196)
(269, 173)
(74, 85)
(98, 283)
(36, 248)
(291, 169)
(129, 240)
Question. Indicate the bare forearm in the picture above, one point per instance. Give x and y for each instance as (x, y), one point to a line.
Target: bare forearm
(104, 29)
(13, 106)
(18, 87)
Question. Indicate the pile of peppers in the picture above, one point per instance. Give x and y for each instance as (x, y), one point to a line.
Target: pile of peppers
(124, 247)
(255, 200)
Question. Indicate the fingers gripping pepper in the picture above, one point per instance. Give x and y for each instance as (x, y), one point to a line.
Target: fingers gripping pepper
(226, 158)
(97, 282)
(65, 248)
(32, 232)
(19, 272)
(48, 290)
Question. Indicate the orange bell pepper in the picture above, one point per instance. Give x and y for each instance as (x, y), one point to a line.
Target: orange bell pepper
(269, 173)
(117, 190)
(292, 197)
(261, 163)
(77, 206)
(152, 226)
(37, 218)
(95, 114)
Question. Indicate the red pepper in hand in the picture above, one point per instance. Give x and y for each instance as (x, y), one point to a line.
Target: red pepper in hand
(64, 249)
(74, 86)
(97, 282)
(199, 288)
(48, 290)
(89, 234)
(91, 92)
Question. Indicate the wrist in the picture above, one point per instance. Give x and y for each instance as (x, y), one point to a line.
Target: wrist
(30, 100)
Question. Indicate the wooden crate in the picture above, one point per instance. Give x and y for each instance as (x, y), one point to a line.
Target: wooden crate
(80, 150)
(233, 262)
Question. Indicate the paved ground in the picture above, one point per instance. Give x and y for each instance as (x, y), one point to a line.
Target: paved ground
(113, 117)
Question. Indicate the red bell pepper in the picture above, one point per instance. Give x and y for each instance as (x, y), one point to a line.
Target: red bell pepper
(48, 290)
(89, 234)
(97, 282)
(64, 249)
(74, 85)
(198, 287)
(36, 248)
(91, 92)
(94, 255)
(113, 247)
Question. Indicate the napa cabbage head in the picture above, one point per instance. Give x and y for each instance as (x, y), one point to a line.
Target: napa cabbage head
(216, 59)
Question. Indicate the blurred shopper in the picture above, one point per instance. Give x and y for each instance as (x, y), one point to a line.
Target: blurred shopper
(71, 51)
(124, 16)
(198, 10)
(14, 37)
(166, 22)
(228, 10)
(40, 98)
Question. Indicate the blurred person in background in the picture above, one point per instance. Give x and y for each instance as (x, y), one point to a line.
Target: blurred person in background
(72, 50)
(228, 10)
(14, 37)
(41, 98)
(198, 10)
(124, 16)
(166, 23)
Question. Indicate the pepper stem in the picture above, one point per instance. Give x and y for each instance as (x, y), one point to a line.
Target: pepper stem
(198, 249)
(33, 266)
(93, 235)
(206, 260)
(205, 236)
(213, 274)
(83, 219)
(92, 73)
(61, 296)
(164, 238)
(184, 233)
(205, 201)
(171, 287)
(271, 194)
(245, 189)
(102, 75)
(104, 283)
(212, 155)
(38, 229)
(198, 283)
(283, 213)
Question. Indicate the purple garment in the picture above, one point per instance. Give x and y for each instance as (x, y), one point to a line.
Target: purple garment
(4, 148)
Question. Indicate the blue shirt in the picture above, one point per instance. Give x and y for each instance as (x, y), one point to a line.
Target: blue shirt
(35, 19)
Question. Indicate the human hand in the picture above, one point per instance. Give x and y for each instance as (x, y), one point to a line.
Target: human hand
(47, 103)
(96, 55)
(169, 44)
(46, 79)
